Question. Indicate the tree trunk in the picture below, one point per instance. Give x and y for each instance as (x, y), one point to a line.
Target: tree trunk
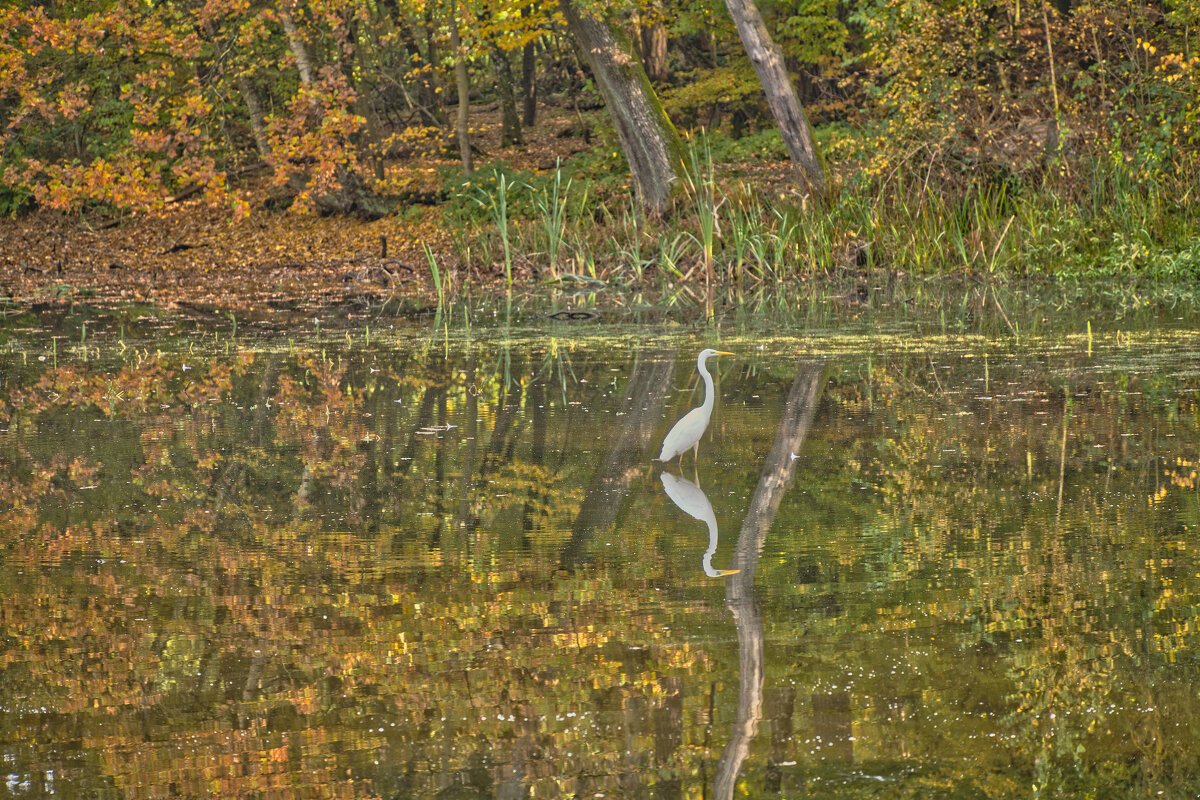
(650, 142)
(654, 48)
(472, 438)
(258, 119)
(798, 412)
(427, 96)
(353, 62)
(258, 124)
(432, 55)
(781, 95)
(510, 121)
(537, 450)
(463, 84)
(352, 195)
(641, 408)
(304, 62)
(529, 79)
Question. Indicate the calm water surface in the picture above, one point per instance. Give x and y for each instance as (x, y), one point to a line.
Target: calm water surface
(415, 566)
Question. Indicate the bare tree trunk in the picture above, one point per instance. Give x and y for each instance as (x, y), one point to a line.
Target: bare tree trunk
(353, 195)
(258, 119)
(529, 78)
(654, 48)
(355, 63)
(304, 62)
(780, 705)
(747, 620)
(463, 83)
(472, 436)
(258, 124)
(651, 143)
(537, 451)
(510, 121)
(427, 93)
(781, 95)
(798, 413)
(640, 410)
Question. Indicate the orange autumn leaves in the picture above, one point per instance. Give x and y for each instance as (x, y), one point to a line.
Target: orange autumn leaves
(128, 106)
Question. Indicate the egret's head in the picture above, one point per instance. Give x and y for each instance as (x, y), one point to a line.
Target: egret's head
(709, 352)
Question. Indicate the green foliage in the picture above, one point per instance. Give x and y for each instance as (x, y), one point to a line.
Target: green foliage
(809, 31)
(14, 199)
(965, 85)
(470, 200)
(708, 93)
(552, 204)
(765, 144)
(601, 170)
(968, 135)
(1100, 220)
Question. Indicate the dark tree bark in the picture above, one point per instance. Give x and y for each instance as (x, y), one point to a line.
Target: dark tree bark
(529, 79)
(650, 142)
(506, 429)
(426, 104)
(258, 119)
(463, 85)
(654, 49)
(353, 63)
(427, 84)
(249, 93)
(510, 121)
(472, 437)
(537, 450)
(781, 95)
(780, 706)
(641, 409)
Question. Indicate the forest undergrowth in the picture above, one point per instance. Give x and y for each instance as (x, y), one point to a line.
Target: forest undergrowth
(556, 213)
(226, 155)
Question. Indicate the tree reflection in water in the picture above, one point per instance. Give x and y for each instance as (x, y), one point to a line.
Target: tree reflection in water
(739, 587)
(435, 571)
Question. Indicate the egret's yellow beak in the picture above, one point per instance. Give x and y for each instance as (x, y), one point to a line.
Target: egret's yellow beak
(723, 353)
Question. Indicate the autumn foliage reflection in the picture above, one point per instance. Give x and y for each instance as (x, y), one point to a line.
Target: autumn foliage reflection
(391, 571)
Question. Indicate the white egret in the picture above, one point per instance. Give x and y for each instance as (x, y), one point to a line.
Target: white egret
(687, 432)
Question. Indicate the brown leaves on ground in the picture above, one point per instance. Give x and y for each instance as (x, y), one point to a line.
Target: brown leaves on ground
(195, 255)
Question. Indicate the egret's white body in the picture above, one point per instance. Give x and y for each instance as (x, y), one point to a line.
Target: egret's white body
(687, 432)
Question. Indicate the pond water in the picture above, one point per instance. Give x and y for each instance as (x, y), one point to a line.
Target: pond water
(425, 563)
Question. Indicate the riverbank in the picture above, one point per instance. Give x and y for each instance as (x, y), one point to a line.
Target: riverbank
(557, 212)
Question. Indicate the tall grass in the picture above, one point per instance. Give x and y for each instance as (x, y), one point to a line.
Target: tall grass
(629, 243)
(552, 216)
(436, 274)
(496, 207)
(746, 237)
(703, 189)
(1102, 221)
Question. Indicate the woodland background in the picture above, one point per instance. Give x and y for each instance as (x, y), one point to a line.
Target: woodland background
(144, 143)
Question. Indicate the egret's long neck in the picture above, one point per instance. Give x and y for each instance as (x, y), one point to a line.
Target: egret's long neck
(710, 394)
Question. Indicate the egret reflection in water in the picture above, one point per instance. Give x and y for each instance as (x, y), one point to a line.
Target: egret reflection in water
(692, 501)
